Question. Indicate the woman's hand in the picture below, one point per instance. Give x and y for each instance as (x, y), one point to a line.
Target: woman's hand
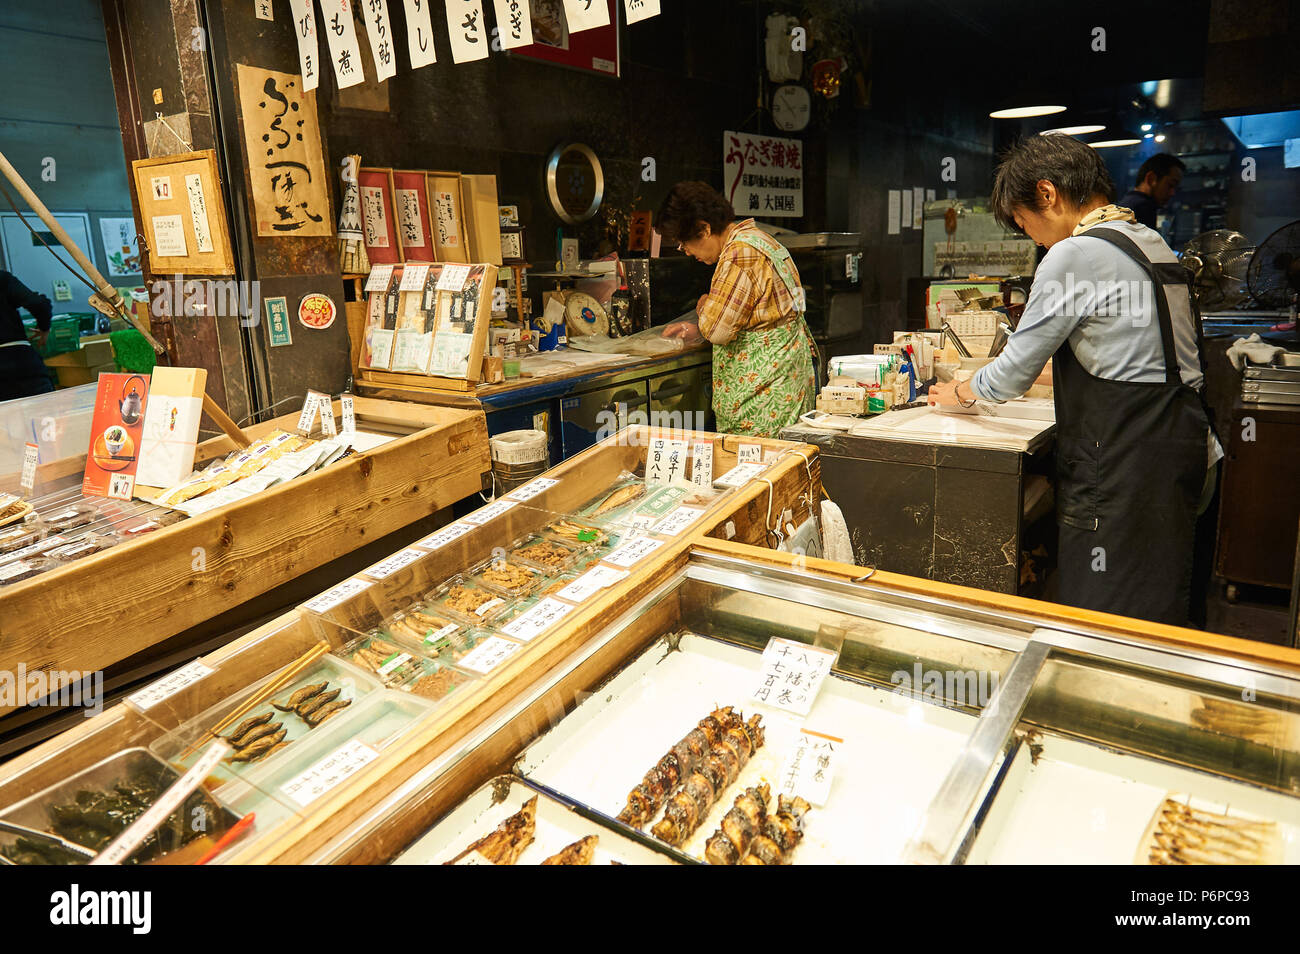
(699, 305)
(943, 393)
(688, 331)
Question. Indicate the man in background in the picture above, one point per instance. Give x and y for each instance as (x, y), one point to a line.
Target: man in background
(1157, 181)
(22, 372)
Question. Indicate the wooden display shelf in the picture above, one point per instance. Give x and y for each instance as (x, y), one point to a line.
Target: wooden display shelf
(109, 606)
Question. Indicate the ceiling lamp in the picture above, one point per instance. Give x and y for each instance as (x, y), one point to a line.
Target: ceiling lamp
(1024, 112)
(1072, 130)
(1109, 143)
(1160, 137)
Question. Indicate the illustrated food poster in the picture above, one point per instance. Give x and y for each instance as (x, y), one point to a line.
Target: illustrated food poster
(116, 432)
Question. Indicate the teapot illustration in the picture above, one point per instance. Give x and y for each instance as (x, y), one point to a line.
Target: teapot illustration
(131, 405)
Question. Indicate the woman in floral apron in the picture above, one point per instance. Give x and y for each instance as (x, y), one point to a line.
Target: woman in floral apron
(753, 314)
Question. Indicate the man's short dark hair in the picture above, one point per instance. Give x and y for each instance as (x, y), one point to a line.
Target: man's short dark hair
(1075, 168)
(1162, 163)
(689, 204)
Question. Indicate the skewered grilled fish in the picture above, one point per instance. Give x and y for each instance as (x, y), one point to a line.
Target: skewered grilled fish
(578, 853)
(740, 825)
(719, 768)
(682, 759)
(299, 696)
(620, 497)
(512, 836)
(782, 832)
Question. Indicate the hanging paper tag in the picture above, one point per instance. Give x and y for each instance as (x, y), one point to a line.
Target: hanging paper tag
(380, 30)
(791, 675)
(341, 32)
(467, 30)
(419, 33)
(304, 29)
(453, 277)
(702, 463)
(809, 769)
(638, 10)
(349, 414)
(585, 14)
(515, 23)
(262, 10)
(31, 456)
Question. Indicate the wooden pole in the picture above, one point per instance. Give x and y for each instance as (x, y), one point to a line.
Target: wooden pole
(105, 291)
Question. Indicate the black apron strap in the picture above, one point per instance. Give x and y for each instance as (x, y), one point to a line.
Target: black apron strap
(1153, 270)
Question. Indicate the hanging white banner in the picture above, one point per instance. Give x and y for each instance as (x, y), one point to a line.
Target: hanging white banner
(638, 10)
(514, 23)
(380, 30)
(304, 29)
(341, 33)
(586, 14)
(467, 30)
(419, 33)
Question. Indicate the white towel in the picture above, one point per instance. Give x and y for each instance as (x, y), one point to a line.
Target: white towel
(1254, 348)
(835, 534)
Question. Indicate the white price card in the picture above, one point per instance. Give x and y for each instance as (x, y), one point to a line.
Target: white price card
(121, 486)
(531, 489)
(125, 844)
(308, 416)
(665, 461)
(544, 614)
(169, 685)
(749, 454)
(676, 521)
(386, 568)
(349, 414)
(453, 278)
(413, 277)
(327, 424)
(31, 457)
(490, 512)
(809, 768)
(591, 583)
(791, 674)
(336, 767)
(488, 654)
(739, 475)
(445, 633)
(630, 553)
(702, 463)
(438, 540)
(333, 597)
(379, 277)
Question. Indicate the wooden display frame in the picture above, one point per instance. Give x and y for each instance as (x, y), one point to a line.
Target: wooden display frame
(371, 177)
(448, 184)
(175, 169)
(414, 180)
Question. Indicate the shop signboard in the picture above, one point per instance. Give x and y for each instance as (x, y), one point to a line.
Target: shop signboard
(763, 175)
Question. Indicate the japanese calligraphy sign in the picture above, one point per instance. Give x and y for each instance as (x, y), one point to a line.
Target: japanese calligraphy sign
(380, 30)
(809, 768)
(585, 14)
(514, 23)
(419, 33)
(285, 166)
(665, 461)
(763, 175)
(304, 30)
(169, 685)
(791, 674)
(544, 614)
(378, 223)
(702, 463)
(412, 207)
(339, 765)
(341, 33)
(638, 10)
(467, 30)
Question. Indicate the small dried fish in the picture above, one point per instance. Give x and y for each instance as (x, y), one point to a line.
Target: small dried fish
(325, 711)
(248, 724)
(251, 753)
(618, 498)
(255, 733)
(318, 702)
(306, 692)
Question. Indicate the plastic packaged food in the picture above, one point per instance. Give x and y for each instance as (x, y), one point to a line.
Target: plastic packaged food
(437, 684)
(546, 554)
(577, 533)
(507, 577)
(471, 604)
(25, 569)
(391, 663)
(20, 536)
(71, 517)
(85, 546)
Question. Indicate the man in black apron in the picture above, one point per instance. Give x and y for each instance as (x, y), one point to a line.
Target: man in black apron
(1132, 431)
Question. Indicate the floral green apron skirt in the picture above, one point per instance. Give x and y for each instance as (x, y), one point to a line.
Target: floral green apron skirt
(763, 378)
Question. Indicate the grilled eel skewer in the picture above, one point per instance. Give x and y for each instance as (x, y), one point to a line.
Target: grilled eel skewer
(739, 826)
(784, 830)
(662, 780)
(718, 769)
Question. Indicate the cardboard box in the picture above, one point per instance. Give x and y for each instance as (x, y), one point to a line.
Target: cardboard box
(482, 218)
(171, 426)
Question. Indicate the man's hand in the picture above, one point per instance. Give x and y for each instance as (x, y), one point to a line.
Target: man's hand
(688, 331)
(943, 393)
(40, 338)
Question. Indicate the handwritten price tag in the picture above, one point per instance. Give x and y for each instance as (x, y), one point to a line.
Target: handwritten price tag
(489, 654)
(591, 583)
(702, 463)
(453, 531)
(749, 454)
(490, 512)
(665, 461)
(453, 278)
(413, 277)
(630, 553)
(169, 685)
(31, 456)
(308, 416)
(531, 489)
(537, 620)
(397, 561)
(791, 675)
(379, 278)
(349, 414)
(677, 521)
(739, 475)
(809, 769)
(332, 598)
(339, 765)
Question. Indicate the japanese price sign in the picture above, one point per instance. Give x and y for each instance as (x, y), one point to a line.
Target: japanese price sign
(809, 769)
(791, 674)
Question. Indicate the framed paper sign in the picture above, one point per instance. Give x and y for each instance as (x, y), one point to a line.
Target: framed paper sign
(184, 214)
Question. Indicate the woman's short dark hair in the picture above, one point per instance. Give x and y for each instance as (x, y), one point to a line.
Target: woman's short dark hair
(1075, 168)
(689, 204)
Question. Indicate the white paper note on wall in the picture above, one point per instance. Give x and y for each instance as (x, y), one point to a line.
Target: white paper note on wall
(905, 219)
(586, 14)
(514, 23)
(638, 10)
(894, 199)
(467, 30)
(380, 30)
(304, 29)
(198, 212)
(341, 32)
(918, 207)
(168, 235)
(419, 33)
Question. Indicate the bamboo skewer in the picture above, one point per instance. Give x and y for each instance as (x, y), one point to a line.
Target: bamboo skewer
(290, 672)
